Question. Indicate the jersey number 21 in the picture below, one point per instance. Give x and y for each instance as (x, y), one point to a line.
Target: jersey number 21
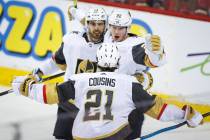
(97, 103)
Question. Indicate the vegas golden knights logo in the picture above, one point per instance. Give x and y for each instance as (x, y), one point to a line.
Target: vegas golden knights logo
(85, 66)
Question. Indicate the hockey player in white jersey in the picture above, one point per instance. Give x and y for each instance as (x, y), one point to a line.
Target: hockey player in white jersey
(138, 54)
(77, 55)
(77, 51)
(109, 104)
(131, 46)
(119, 25)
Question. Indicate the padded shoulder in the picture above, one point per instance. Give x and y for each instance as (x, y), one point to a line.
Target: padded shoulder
(143, 100)
(66, 91)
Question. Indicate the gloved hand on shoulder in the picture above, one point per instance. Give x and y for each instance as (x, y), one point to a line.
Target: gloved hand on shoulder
(145, 79)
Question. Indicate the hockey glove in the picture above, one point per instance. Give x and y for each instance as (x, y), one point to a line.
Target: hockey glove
(75, 13)
(21, 84)
(37, 73)
(192, 117)
(145, 78)
(153, 44)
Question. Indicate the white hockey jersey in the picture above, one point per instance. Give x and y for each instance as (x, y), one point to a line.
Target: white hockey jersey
(133, 54)
(105, 101)
(80, 55)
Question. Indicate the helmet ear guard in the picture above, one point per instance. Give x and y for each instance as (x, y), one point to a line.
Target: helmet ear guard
(108, 56)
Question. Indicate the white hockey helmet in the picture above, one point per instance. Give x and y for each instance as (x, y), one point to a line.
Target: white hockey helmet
(120, 18)
(108, 55)
(96, 14)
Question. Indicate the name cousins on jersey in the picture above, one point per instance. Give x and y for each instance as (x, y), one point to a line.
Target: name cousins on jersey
(97, 81)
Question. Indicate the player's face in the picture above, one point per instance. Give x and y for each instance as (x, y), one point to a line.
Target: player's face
(96, 30)
(118, 33)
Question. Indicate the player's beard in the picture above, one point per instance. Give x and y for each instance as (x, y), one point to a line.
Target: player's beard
(96, 35)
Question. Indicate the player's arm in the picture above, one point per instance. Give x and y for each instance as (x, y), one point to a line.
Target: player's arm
(58, 62)
(55, 63)
(149, 53)
(40, 92)
(157, 108)
(167, 112)
(47, 93)
(76, 19)
(76, 14)
(60, 58)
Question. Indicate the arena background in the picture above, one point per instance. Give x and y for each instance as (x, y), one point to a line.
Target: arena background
(30, 31)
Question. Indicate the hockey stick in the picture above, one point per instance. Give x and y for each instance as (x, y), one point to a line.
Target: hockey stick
(75, 3)
(196, 54)
(169, 128)
(43, 80)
